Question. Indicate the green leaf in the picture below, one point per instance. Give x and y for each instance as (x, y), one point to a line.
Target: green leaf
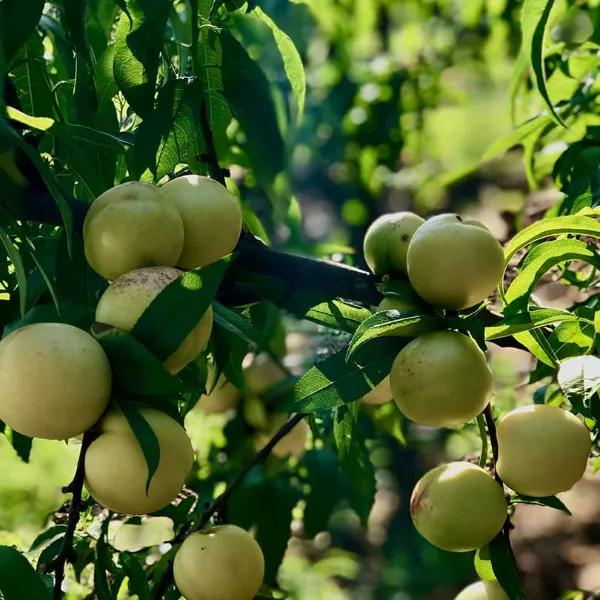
(22, 445)
(354, 461)
(237, 324)
(571, 224)
(181, 304)
(17, 262)
(146, 438)
(266, 504)
(102, 564)
(247, 90)
(292, 62)
(339, 315)
(483, 564)
(323, 479)
(31, 79)
(135, 369)
(549, 501)
(208, 67)
(579, 378)
(537, 345)
(505, 569)
(39, 123)
(538, 261)
(47, 536)
(138, 43)
(138, 580)
(391, 322)
(516, 137)
(84, 100)
(334, 381)
(17, 22)
(534, 18)
(535, 319)
(170, 135)
(18, 579)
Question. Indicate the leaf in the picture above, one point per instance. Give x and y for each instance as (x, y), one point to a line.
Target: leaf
(18, 580)
(355, 462)
(135, 369)
(17, 262)
(549, 501)
(538, 261)
(505, 569)
(181, 305)
(483, 564)
(339, 315)
(516, 137)
(138, 42)
(534, 18)
(390, 323)
(39, 123)
(47, 536)
(247, 90)
(102, 564)
(323, 479)
(31, 79)
(334, 381)
(266, 504)
(170, 135)
(146, 438)
(22, 445)
(17, 22)
(84, 99)
(138, 582)
(209, 59)
(237, 324)
(579, 378)
(292, 62)
(571, 224)
(534, 319)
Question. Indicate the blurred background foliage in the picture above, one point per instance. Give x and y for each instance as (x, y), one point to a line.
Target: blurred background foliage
(410, 104)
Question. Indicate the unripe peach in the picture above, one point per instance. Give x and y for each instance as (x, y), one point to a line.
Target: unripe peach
(458, 507)
(387, 239)
(542, 449)
(55, 380)
(125, 299)
(454, 263)
(220, 563)
(441, 379)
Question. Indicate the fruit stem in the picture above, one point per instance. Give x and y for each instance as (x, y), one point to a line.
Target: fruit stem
(76, 490)
(491, 425)
(220, 501)
(484, 441)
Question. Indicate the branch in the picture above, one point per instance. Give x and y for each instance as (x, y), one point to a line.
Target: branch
(491, 425)
(75, 488)
(220, 501)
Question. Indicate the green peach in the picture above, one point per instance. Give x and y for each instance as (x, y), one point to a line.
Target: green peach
(542, 449)
(441, 379)
(454, 263)
(458, 507)
(387, 239)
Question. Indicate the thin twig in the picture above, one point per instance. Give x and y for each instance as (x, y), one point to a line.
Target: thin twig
(75, 488)
(484, 441)
(220, 501)
(491, 425)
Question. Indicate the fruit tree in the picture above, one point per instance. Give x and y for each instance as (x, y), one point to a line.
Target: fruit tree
(253, 296)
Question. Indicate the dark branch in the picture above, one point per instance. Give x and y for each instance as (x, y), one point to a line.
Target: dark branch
(75, 488)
